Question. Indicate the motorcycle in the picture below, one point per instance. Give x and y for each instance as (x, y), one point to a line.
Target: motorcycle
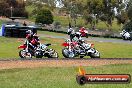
(39, 52)
(126, 35)
(73, 49)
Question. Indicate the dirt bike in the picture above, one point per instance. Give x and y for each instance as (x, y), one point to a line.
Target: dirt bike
(126, 35)
(39, 52)
(73, 49)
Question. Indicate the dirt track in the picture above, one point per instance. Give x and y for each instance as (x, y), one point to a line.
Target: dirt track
(58, 63)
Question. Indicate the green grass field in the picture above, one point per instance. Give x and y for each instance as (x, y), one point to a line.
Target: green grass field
(59, 77)
(8, 48)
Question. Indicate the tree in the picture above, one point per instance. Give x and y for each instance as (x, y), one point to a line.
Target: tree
(73, 8)
(4, 8)
(18, 9)
(130, 12)
(51, 4)
(44, 16)
(128, 24)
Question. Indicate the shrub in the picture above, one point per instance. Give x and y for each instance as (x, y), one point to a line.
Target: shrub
(128, 26)
(57, 25)
(44, 16)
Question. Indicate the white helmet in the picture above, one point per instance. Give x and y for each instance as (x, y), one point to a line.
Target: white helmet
(71, 31)
(29, 32)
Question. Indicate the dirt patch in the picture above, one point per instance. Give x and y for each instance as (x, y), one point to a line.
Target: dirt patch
(58, 63)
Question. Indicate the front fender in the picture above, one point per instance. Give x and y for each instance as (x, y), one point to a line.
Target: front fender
(91, 50)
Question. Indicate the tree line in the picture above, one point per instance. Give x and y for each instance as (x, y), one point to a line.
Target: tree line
(14, 8)
(91, 10)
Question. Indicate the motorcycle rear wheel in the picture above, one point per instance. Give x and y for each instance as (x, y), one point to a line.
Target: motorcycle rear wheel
(52, 54)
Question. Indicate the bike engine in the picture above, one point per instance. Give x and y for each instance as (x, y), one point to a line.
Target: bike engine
(38, 54)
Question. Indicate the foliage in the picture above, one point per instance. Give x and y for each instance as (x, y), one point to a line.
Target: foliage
(44, 16)
(100, 9)
(50, 4)
(128, 26)
(122, 18)
(130, 12)
(18, 8)
(57, 24)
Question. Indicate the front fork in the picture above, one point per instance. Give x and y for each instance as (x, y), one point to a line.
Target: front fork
(91, 50)
(70, 48)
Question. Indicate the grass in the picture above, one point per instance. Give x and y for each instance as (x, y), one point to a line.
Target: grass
(51, 33)
(115, 27)
(59, 77)
(111, 50)
(8, 48)
(108, 50)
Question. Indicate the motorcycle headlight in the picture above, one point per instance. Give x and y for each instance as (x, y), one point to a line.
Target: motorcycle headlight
(68, 40)
(43, 46)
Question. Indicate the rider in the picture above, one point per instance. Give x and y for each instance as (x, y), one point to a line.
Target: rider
(35, 40)
(83, 32)
(74, 36)
(71, 32)
(29, 35)
(82, 29)
(32, 40)
(77, 36)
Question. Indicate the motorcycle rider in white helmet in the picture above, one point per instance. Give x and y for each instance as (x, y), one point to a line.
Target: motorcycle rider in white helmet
(32, 40)
(71, 32)
(76, 36)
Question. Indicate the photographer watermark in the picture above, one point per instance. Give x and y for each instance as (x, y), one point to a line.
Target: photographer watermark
(83, 78)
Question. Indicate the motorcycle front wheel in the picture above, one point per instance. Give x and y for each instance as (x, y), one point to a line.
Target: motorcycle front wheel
(24, 54)
(96, 54)
(67, 54)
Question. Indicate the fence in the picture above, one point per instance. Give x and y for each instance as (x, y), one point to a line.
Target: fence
(17, 31)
